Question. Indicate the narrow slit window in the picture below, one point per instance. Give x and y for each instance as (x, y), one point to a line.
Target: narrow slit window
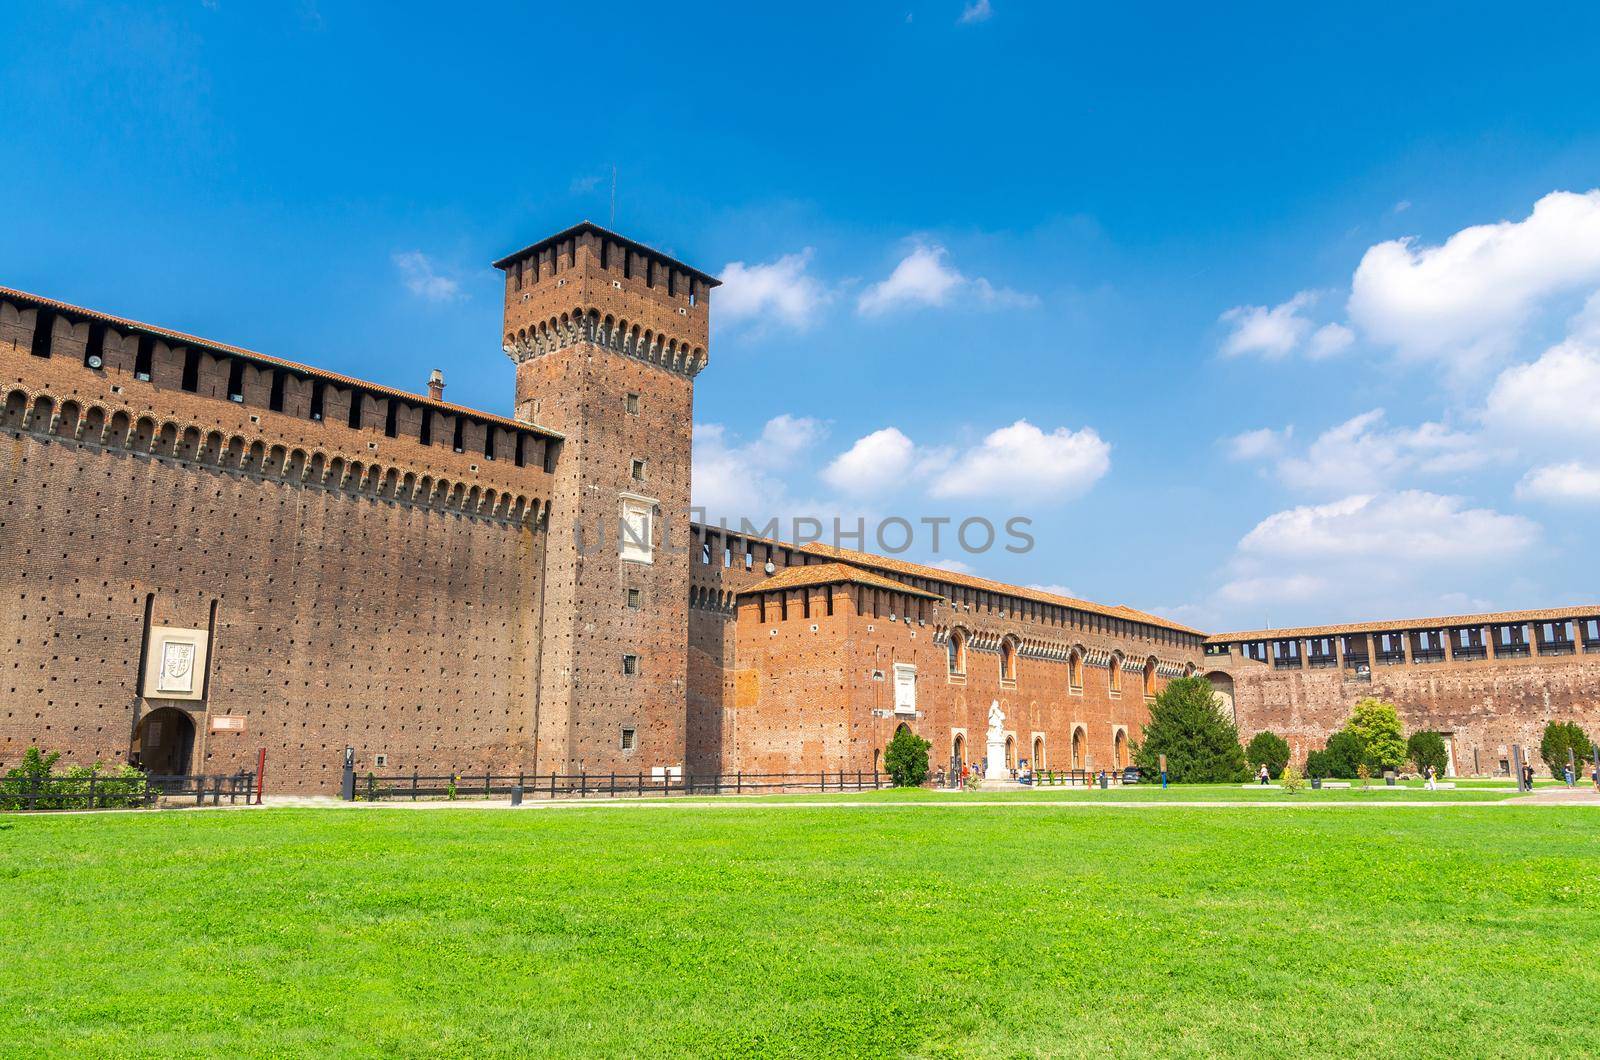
(44, 326)
(630, 665)
(355, 408)
(94, 351)
(279, 381)
(316, 399)
(425, 436)
(191, 369)
(236, 380)
(517, 456)
(456, 443)
(144, 357)
(391, 422)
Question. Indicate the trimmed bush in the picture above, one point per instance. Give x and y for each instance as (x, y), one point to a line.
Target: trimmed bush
(906, 759)
(1188, 726)
(1270, 748)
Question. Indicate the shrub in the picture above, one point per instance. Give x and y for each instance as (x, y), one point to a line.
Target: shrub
(1317, 764)
(1377, 725)
(1343, 754)
(1188, 726)
(1291, 780)
(1270, 748)
(1558, 737)
(906, 759)
(1363, 773)
(35, 785)
(1426, 749)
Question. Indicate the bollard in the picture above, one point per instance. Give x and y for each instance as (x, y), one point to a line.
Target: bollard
(516, 794)
(347, 789)
(1105, 782)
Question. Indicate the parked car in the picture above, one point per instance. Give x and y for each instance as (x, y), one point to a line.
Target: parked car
(1131, 775)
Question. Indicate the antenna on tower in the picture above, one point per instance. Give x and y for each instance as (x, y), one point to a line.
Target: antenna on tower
(612, 224)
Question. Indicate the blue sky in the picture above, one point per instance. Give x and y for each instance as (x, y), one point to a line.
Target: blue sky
(1262, 316)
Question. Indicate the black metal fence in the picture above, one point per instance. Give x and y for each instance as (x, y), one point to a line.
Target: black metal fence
(371, 787)
(96, 792)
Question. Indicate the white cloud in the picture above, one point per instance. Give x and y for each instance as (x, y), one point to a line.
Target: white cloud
(1055, 589)
(1272, 332)
(780, 291)
(1569, 483)
(977, 11)
(733, 480)
(955, 566)
(1328, 340)
(1273, 589)
(421, 278)
(877, 463)
(1361, 453)
(1557, 396)
(1412, 526)
(1261, 444)
(1023, 462)
(925, 278)
(1465, 301)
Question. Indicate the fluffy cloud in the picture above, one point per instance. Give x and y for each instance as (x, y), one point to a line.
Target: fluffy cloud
(925, 278)
(735, 480)
(1056, 589)
(1272, 332)
(1412, 527)
(877, 463)
(1328, 340)
(422, 279)
(1569, 483)
(1466, 300)
(1022, 462)
(780, 291)
(1262, 444)
(1557, 396)
(1362, 452)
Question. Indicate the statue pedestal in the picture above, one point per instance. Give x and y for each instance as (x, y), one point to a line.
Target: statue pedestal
(996, 767)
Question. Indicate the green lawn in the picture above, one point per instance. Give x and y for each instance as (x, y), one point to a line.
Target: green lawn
(1466, 931)
(1177, 793)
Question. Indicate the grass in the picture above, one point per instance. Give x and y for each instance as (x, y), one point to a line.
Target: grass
(767, 931)
(1177, 793)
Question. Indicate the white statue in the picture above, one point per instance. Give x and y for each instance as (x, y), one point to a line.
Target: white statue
(996, 767)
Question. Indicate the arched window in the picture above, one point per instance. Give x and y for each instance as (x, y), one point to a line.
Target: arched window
(1115, 674)
(1149, 679)
(1011, 753)
(1038, 753)
(1077, 748)
(957, 649)
(1008, 659)
(1119, 748)
(958, 751)
(1075, 671)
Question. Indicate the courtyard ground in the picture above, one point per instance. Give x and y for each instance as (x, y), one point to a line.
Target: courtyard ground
(836, 930)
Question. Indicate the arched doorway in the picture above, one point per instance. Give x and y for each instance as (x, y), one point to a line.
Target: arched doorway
(1011, 753)
(1222, 687)
(1038, 753)
(1119, 749)
(1077, 748)
(164, 742)
(958, 752)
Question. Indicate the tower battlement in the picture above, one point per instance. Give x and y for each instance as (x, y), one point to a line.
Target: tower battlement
(590, 284)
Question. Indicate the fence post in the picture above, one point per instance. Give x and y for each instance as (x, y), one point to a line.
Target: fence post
(583, 783)
(486, 791)
(552, 785)
(91, 791)
(413, 783)
(613, 785)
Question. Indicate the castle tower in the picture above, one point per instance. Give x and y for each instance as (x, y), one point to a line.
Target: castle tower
(608, 336)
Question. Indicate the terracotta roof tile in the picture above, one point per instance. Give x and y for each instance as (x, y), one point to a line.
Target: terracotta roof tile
(1492, 618)
(831, 574)
(968, 581)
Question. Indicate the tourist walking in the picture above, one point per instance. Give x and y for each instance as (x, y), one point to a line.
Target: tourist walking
(1429, 774)
(1264, 775)
(1566, 771)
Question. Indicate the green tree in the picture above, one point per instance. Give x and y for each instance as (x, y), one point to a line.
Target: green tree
(1188, 726)
(1342, 755)
(1270, 748)
(1426, 749)
(907, 759)
(1558, 737)
(1377, 725)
